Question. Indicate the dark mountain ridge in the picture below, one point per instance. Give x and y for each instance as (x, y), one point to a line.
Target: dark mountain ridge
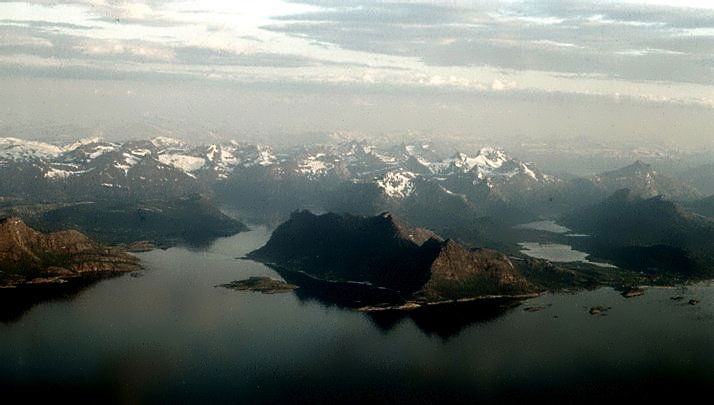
(192, 219)
(386, 253)
(650, 234)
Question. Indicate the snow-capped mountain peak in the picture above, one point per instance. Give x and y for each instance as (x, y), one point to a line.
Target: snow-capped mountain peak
(20, 149)
(165, 141)
(397, 183)
(82, 142)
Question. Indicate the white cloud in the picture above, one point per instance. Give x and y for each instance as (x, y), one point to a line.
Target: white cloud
(648, 51)
(115, 47)
(15, 39)
(498, 85)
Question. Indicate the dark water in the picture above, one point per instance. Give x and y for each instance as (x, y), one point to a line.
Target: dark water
(170, 335)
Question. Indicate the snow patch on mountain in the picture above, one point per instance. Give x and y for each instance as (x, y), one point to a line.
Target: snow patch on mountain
(397, 183)
(184, 162)
(53, 173)
(166, 142)
(63, 171)
(99, 150)
(18, 149)
(80, 143)
(141, 152)
(312, 166)
(483, 164)
(266, 157)
(128, 161)
(527, 170)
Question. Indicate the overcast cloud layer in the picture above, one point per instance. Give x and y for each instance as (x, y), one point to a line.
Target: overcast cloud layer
(468, 60)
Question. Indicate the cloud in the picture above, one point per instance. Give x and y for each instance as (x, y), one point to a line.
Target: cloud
(15, 39)
(125, 48)
(503, 85)
(567, 37)
(542, 47)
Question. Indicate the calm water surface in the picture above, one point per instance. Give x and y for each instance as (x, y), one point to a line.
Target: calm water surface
(557, 252)
(171, 335)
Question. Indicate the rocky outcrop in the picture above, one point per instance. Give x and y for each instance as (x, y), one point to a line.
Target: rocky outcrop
(265, 285)
(458, 272)
(29, 256)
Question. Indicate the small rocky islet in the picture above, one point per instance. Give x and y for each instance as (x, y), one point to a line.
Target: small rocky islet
(262, 284)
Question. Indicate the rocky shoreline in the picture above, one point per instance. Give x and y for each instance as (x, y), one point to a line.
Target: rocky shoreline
(29, 257)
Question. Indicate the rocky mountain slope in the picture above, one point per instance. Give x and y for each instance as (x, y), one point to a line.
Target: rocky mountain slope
(29, 256)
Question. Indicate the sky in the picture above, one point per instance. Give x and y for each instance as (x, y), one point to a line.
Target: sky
(607, 71)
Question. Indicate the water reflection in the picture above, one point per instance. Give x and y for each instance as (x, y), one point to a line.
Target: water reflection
(445, 320)
(171, 336)
(16, 302)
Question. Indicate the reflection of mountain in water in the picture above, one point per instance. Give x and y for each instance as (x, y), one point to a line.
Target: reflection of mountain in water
(16, 302)
(342, 294)
(444, 320)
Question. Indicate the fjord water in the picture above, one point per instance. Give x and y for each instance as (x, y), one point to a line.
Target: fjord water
(172, 335)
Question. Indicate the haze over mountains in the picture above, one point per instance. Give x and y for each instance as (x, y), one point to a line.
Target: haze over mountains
(168, 192)
(343, 176)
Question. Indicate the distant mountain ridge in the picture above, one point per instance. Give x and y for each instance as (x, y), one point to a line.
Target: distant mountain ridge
(648, 233)
(427, 187)
(642, 180)
(118, 165)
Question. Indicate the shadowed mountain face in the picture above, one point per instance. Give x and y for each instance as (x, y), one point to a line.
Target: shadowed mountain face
(701, 177)
(384, 252)
(705, 206)
(30, 256)
(642, 180)
(650, 234)
(191, 220)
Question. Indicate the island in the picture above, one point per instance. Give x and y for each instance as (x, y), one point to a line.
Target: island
(265, 285)
(383, 253)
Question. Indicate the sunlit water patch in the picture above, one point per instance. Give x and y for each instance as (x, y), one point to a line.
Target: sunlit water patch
(547, 226)
(557, 252)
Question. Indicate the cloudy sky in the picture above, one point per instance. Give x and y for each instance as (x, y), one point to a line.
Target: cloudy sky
(227, 68)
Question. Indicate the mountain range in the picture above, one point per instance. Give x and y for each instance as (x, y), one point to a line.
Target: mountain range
(347, 176)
